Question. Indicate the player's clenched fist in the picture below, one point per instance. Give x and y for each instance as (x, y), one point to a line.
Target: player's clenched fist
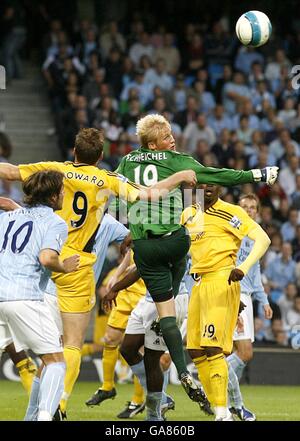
(235, 276)
(189, 176)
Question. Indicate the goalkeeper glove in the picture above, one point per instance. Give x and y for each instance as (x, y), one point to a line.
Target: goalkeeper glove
(267, 174)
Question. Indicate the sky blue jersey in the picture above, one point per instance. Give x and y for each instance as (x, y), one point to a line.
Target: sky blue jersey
(23, 234)
(251, 283)
(109, 231)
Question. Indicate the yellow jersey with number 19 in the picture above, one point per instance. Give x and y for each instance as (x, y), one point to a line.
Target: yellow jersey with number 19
(87, 190)
(216, 235)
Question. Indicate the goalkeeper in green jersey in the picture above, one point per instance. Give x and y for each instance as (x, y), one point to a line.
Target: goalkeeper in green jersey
(160, 243)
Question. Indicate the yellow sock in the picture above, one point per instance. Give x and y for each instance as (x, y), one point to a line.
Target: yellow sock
(218, 369)
(109, 360)
(72, 356)
(27, 370)
(87, 349)
(202, 366)
(138, 392)
(100, 328)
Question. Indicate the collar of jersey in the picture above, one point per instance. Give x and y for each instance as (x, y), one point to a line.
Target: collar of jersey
(79, 164)
(215, 205)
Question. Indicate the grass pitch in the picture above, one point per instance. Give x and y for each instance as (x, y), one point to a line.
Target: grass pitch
(270, 403)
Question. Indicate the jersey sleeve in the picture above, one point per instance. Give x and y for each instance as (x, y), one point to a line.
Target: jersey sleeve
(27, 170)
(55, 236)
(240, 223)
(210, 175)
(120, 186)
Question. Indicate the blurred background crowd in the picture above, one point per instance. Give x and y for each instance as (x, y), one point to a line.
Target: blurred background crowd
(106, 65)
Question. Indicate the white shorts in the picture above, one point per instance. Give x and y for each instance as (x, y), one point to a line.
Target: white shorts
(5, 336)
(52, 303)
(247, 316)
(145, 314)
(31, 326)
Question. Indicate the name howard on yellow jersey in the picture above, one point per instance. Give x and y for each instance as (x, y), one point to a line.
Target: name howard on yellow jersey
(87, 191)
(215, 234)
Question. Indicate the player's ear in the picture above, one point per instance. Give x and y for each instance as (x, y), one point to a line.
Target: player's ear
(151, 146)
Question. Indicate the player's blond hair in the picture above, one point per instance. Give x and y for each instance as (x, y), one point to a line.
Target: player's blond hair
(149, 127)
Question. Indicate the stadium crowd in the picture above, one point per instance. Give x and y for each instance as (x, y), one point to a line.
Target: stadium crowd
(229, 106)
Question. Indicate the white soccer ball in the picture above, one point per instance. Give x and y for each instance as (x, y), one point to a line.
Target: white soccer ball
(253, 28)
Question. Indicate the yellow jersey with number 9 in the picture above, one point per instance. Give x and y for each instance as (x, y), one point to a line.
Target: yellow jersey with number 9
(87, 190)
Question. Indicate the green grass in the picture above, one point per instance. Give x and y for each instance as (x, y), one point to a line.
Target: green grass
(270, 403)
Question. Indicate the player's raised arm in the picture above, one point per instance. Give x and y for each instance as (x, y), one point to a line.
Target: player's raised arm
(9, 172)
(162, 188)
(228, 177)
(261, 244)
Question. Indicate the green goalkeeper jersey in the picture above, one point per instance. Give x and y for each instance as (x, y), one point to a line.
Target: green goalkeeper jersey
(146, 167)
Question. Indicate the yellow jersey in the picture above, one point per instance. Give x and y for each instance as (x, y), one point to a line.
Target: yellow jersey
(216, 235)
(87, 190)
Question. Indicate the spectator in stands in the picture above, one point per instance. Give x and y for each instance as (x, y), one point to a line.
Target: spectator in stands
(223, 148)
(244, 132)
(295, 197)
(286, 302)
(273, 68)
(287, 175)
(205, 98)
(178, 94)
(113, 71)
(246, 57)
(293, 315)
(274, 250)
(158, 76)
(235, 92)
(281, 271)
(169, 52)
(189, 114)
(111, 38)
(144, 89)
(195, 131)
(142, 47)
(219, 120)
(13, 35)
(288, 229)
(288, 113)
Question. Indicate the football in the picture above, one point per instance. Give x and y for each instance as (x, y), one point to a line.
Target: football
(253, 28)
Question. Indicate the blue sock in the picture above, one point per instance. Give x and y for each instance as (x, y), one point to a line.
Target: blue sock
(153, 403)
(51, 387)
(139, 371)
(33, 405)
(165, 385)
(234, 392)
(237, 364)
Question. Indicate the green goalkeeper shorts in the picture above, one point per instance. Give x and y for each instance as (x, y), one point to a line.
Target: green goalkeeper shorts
(161, 262)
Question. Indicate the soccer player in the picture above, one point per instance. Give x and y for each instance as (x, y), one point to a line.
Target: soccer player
(87, 191)
(143, 330)
(117, 322)
(110, 231)
(160, 242)
(214, 303)
(251, 284)
(25, 365)
(32, 238)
